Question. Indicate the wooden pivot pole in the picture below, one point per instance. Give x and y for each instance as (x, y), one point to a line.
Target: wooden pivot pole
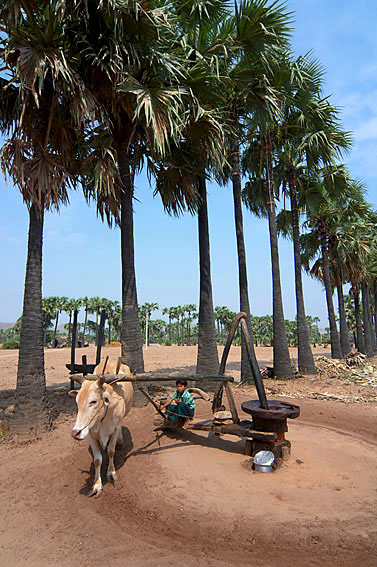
(73, 345)
(232, 404)
(155, 377)
(240, 319)
(151, 400)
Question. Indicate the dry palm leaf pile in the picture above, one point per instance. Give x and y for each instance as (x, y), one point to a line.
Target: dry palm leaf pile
(354, 368)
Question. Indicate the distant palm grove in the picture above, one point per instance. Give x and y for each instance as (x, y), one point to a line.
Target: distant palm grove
(95, 91)
(180, 328)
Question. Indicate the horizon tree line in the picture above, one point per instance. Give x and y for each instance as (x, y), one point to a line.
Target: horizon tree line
(180, 328)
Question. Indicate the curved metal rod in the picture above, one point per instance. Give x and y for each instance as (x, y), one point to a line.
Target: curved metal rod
(240, 318)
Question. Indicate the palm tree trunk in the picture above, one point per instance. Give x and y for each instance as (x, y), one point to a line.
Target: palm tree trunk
(97, 314)
(146, 328)
(85, 321)
(207, 359)
(359, 326)
(247, 373)
(367, 329)
(370, 318)
(31, 413)
(132, 344)
(189, 332)
(305, 356)
(109, 331)
(169, 328)
(336, 349)
(345, 342)
(56, 327)
(69, 327)
(282, 362)
(375, 306)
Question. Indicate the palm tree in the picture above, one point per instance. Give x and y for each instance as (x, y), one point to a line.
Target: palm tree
(138, 86)
(340, 200)
(113, 317)
(191, 315)
(68, 308)
(59, 306)
(85, 301)
(308, 134)
(76, 306)
(257, 28)
(48, 314)
(169, 311)
(95, 307)
(149, 307)
(41, 110)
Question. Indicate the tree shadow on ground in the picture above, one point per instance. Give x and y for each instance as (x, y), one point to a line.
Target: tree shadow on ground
(121, 455)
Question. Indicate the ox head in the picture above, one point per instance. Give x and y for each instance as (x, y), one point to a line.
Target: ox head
(92, 401)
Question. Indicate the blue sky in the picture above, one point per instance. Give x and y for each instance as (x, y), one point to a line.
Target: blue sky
(82, 255)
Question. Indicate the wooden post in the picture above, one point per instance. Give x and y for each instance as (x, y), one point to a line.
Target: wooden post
(84, 363)
(257, 375)
(101, 336)
(232, 404)
(218, 397)
(73, 346)
(74, 336)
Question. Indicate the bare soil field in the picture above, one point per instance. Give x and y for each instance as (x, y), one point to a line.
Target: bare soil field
(185, 499)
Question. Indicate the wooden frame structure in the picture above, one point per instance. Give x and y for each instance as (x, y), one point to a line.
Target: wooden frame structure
(243, 429)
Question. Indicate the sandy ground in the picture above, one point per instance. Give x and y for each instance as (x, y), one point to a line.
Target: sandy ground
(184, 499)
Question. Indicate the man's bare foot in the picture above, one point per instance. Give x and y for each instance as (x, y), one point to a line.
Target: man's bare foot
(186, 423)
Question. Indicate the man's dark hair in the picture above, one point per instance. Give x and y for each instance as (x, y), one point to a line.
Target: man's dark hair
(182, 382)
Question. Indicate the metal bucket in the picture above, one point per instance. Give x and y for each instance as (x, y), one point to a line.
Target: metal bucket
(263, 461)
(263, 468)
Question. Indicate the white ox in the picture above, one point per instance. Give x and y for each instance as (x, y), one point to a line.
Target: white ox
(101, 409)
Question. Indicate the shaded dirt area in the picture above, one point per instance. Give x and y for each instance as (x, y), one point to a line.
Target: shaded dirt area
(184, 499)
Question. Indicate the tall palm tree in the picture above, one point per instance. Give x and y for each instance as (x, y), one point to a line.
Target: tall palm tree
(41, 110)
(340, 200)
(257, 28)
(308, 134)
(138, 85)
(200, 153)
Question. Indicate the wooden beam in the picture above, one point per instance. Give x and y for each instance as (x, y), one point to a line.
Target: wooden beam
(227, 429)
(232, 403)
(156, 377)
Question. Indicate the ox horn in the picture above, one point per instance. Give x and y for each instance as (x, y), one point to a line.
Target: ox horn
(79, 379)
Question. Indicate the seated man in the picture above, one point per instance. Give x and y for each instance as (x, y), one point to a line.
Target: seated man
(181, 405)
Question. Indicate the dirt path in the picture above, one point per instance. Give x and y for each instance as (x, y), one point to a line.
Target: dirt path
(187, 500)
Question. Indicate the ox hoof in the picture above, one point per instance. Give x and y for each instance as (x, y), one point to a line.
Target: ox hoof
(96, 491)
(112, 476)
